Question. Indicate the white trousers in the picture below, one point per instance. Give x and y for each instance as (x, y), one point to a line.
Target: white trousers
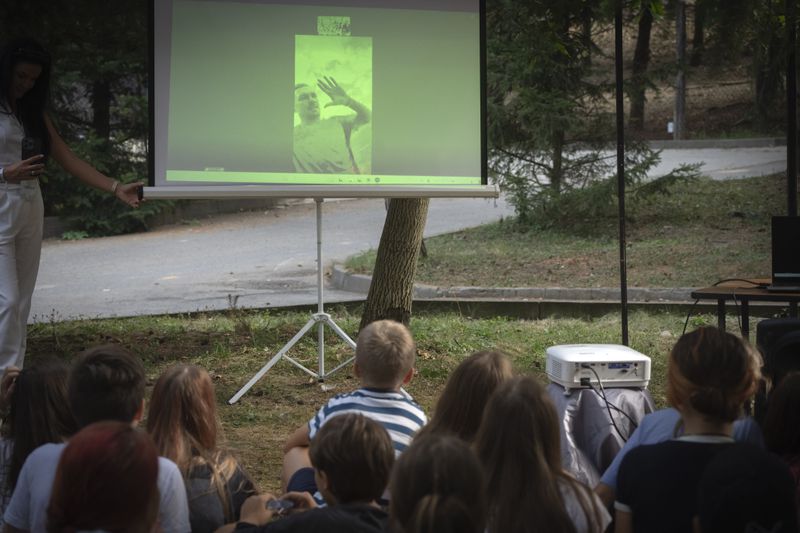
(21, 221)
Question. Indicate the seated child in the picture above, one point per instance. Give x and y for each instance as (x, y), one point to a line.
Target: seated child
(661, 426)
(710, 375)
(183, 423)
(783, 437)
(38, 413)
(384, 362)
(107, 479)
(438, 487)
(105, 383)
(459, 409)
(352, 457)
(745, 489)
(519, 446)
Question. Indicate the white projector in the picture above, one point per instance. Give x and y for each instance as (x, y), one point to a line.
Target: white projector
(615, 366)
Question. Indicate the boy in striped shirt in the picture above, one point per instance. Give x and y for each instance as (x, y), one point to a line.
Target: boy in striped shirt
(384, 363)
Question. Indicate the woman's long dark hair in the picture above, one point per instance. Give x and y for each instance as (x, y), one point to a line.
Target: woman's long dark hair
(39, 412)
(460, 407)
(183, 423)
(31, 107)
(519, 445)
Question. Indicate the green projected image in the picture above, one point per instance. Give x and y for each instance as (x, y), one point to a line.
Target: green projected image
(262, 93)
(332, 130)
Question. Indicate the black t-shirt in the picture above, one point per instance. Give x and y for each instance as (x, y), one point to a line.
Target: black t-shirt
(345, 518)
(658, 483)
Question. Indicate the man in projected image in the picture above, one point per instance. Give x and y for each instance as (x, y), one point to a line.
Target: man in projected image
(323, 145)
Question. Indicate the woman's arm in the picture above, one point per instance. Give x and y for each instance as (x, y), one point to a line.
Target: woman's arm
(85, 172)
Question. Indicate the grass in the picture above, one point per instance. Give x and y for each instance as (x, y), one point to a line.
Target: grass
(700, 233)
(232, 346)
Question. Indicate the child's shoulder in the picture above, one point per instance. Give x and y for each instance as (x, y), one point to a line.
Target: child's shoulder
(371, 396)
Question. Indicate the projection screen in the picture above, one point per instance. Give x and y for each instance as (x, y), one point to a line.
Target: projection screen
(317, 98)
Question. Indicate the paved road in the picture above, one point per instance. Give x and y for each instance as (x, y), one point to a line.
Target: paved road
(254, 259)
(726, 164)
(264, 259)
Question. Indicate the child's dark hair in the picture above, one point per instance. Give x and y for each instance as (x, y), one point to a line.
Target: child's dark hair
(713, 372)
(39, 412)
(437, 487)
(781, 436)
(356, 454)
(744, 488)
(182, 420)
(468, 389)
(106, 383)
(385, 353)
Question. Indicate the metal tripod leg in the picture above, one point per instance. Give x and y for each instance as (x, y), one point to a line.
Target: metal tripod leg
(320, 318)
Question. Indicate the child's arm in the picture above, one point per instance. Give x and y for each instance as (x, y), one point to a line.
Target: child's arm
(300, 437)
(623, 522)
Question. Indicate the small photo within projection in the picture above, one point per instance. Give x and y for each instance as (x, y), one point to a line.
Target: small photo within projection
(333, 104)
(333, 25)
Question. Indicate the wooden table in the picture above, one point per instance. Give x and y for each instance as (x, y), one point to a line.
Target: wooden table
(742, 292)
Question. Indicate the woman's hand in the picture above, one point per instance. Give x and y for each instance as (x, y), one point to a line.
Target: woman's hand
(129, 193)
(27, 169)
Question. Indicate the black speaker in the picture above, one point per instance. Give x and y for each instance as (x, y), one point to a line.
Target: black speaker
(778, 339)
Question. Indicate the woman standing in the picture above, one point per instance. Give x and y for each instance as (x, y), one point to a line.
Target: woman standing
(24, 89)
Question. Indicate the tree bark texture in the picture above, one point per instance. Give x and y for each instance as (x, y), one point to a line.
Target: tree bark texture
(557, 170)
(641, 59)
(392, 286)
(101, 109)
(698, 35)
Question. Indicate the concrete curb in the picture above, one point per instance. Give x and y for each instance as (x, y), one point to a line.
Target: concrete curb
(696, 144)
(359, 283)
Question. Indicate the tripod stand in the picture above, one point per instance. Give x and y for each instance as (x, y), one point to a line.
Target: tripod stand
(320, 318)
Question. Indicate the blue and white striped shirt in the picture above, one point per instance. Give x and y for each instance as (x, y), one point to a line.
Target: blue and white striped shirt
(394, 410)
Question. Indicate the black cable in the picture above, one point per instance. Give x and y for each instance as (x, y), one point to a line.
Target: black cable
(750, 281)
(688, 315)
(614, 407)
(609, 405)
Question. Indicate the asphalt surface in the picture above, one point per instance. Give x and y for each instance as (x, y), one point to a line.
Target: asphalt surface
(268, 259)
(254, 259)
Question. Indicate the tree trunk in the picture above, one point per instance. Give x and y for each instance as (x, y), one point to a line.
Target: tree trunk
(767, 62)
(101, 109)
(641, 58)
(680, 79)
(698, 34)
(557, 170)
(392, 286)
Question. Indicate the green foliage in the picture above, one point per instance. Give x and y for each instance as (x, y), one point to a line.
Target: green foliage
(98, 102)
(90, 210)
(74, 235)
(550, 124)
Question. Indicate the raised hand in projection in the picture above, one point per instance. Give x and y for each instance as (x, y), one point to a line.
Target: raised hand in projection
(334, 91)
(338, 96)
(323, 145)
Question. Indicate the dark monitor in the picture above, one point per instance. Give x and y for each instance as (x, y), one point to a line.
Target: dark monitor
(786, 250)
